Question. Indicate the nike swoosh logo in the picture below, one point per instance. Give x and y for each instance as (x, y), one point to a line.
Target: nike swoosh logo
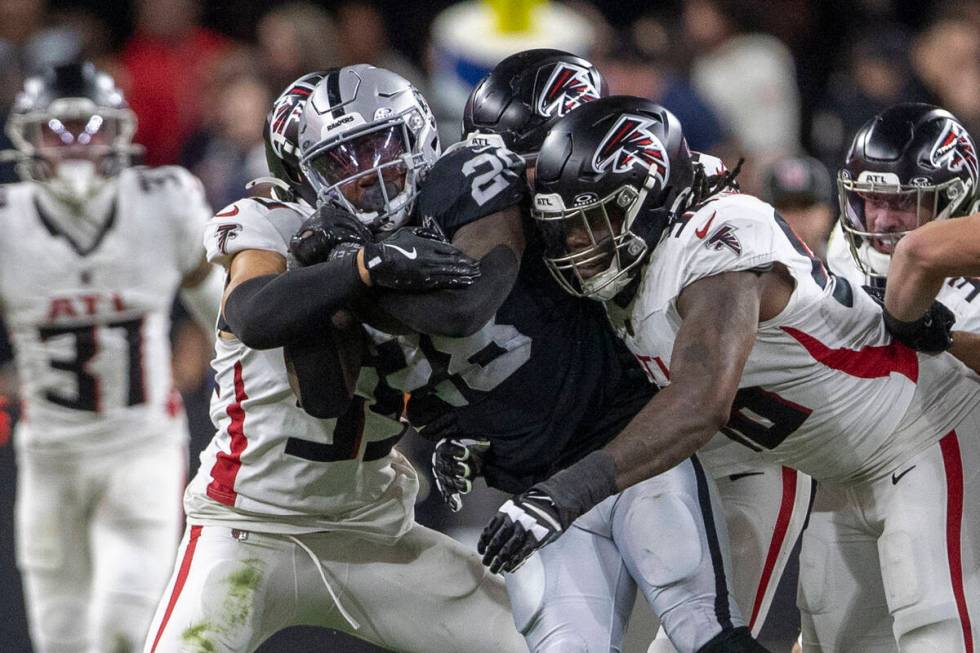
(703, 231)
(896, 479)
(227, 214)
(410, 255)
(735, 477)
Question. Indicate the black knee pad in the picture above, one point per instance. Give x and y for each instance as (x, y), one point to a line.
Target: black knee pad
(738, 640)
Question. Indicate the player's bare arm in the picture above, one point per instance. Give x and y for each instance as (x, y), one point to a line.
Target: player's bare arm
(923, 260)
(721, 316)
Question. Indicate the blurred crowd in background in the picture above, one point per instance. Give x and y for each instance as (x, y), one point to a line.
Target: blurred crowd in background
(782, 83)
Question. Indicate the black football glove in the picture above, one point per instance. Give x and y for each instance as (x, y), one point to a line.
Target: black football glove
(456, 463)
(930, 334)
(331, 231)
(532, 519)
(524, 524)
(415, 259)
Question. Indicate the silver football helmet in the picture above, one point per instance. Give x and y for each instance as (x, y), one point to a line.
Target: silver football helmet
(72, 129)
(367, 138)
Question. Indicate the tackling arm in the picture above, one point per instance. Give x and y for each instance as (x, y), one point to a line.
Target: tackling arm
(497, 240)
(720, 319)
(267, 307)
(923, 260)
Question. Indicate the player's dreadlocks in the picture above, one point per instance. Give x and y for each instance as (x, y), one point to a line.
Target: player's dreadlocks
(706, 186)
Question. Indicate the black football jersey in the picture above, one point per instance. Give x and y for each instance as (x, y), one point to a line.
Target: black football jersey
(546, 381)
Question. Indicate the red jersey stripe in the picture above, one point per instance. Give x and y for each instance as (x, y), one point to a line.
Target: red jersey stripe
(226, 465)
(871, 362)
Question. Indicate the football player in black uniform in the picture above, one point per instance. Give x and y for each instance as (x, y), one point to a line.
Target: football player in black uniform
(543, 383)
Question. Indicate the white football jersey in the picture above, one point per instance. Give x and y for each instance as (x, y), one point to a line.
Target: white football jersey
(90, 325)
(272, 463)
(825, 389)
(960, 294)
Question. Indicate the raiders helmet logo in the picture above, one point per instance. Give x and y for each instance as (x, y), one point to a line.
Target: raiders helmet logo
(954, 149)
(568, 87)
(224, 232)
(631, 144)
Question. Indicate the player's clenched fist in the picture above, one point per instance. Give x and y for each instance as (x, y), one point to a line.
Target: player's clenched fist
(411, 258)
(330, 228)
(415, 259)
(456, 463)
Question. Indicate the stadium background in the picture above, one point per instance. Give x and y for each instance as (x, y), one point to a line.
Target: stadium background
(763, 80)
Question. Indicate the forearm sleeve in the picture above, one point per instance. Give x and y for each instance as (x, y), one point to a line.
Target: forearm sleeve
(272, 310)
(457, 313)
(326, 368)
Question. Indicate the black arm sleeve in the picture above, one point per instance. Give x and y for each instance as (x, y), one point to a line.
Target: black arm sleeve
(326, 367)
(275, 309)
(457, 313)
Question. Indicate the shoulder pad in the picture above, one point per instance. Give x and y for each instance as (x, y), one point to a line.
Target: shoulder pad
(252, 223)
(164, 179)
(470, 182)
(728, 234)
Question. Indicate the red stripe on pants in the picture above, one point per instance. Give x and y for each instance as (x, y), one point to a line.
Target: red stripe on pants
(953, 463)
(185, 567)
(778, 537)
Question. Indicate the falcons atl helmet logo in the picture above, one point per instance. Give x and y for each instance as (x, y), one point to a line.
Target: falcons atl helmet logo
(287, 111)
(568, 87)
(631, 144)
(954, 149)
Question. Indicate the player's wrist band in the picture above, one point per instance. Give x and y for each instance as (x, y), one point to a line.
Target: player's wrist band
(582, 486)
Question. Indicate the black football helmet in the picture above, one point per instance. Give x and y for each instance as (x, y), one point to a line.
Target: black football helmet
(610, 176)
(281, 136)
(72, 129)
(910, 164)
(526, 93)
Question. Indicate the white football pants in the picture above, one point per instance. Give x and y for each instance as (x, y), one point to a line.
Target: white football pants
(894, 564)
(666, 536)
(96, 540)
(233, 589)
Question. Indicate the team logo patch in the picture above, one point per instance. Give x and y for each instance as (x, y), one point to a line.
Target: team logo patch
(224, 232)
(954, 149)
(568, 86)
(629, 144)
(286, 112)
(724, 236)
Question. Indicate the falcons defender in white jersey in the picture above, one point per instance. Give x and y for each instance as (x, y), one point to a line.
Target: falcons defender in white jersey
(763, 504)
(302, 510)
(766, 506)
(880, 203)
(93, 254)
(748, 334)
